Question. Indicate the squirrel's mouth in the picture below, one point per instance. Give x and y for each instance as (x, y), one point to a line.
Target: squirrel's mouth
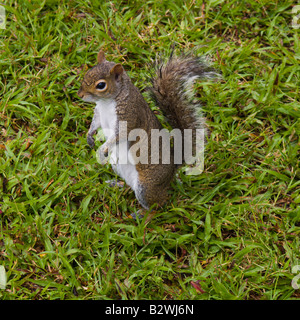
(88, 98)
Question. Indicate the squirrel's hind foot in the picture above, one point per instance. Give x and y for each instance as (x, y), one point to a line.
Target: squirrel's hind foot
(137, 215)
(141, 213)
(113, 183)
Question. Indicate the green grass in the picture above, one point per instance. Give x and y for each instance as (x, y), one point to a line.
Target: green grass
(233, 230)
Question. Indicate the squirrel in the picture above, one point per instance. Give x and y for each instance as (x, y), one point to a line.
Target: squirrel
(119, 100)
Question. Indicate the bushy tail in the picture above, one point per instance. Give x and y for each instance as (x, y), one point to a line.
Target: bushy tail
(171, 90)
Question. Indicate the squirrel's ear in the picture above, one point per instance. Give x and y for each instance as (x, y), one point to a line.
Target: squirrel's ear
(101, 56)
(117, 70)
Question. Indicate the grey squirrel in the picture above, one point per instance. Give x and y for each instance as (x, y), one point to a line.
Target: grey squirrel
(119, 101)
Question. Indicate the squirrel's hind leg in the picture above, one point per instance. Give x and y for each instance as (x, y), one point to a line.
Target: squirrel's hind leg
(150, 195)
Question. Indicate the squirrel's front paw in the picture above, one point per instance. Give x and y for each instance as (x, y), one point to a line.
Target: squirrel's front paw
(90, 140)
(103, 154)
(104, 150)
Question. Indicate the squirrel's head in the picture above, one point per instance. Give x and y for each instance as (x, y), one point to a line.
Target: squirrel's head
(103, 81)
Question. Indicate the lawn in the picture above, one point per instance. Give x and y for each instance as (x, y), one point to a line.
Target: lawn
(230, 233)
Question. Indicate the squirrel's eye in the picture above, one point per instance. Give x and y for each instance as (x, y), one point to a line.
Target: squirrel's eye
(101, 85)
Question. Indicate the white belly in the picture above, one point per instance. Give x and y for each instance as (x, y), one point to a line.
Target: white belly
(108, 117)
(120, 161)
(119, 156)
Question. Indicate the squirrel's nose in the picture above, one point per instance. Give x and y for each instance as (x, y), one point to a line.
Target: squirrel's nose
(80, 93)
